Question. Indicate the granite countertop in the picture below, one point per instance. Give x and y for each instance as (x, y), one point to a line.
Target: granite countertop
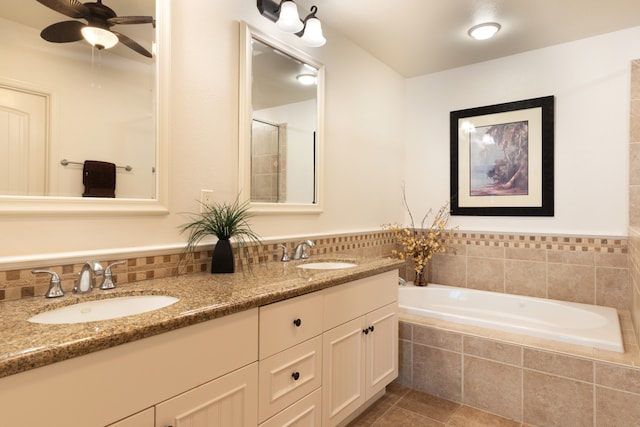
(25, 345)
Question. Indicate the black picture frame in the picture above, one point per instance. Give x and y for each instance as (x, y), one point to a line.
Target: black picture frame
(521, 182)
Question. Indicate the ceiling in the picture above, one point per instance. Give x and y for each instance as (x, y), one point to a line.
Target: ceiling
(416, 37)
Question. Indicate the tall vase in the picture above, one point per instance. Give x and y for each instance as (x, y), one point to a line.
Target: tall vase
(222, 260)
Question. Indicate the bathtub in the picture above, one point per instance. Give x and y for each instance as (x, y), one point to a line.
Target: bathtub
(583, 324)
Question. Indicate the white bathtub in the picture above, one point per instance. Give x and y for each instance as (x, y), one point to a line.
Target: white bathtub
(583, 324)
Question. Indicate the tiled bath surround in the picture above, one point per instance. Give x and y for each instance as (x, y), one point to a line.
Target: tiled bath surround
(530, 380)
(587, 270)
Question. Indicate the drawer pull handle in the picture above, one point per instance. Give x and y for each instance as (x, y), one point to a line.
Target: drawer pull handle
(365, 331)
(295, 376)
(297, 322)
(371, 328)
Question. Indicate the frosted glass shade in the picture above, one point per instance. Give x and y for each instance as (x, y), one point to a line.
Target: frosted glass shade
(289, 20)
(99, 37)
(313, 36)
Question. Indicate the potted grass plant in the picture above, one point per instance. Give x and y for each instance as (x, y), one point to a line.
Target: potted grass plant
(226, 221)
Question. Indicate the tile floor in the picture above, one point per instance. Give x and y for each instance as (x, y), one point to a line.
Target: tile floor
(402, 406)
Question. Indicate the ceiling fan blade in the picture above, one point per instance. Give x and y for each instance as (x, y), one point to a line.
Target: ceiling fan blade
(63, 32)
(132, 44)
(120, 20)
(71, 8)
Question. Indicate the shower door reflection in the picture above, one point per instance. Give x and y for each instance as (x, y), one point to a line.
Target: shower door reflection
(282, 163)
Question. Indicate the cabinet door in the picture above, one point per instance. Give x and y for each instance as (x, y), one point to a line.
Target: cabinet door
(141, 419)
(229, 401)
(343, 382)
(382, 349)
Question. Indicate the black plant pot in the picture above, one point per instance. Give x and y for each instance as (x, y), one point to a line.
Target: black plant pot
(222, 260)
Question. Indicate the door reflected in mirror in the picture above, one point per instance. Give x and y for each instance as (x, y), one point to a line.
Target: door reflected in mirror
(69, 101)
(281, 126)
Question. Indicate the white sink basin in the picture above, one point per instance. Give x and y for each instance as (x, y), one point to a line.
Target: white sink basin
(103, 309)
(326, 265)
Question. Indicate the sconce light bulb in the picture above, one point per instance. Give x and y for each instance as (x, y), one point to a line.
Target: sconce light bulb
(289, 20)
(313, 36)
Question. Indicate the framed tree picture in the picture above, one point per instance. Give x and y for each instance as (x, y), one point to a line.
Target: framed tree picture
(502, 160)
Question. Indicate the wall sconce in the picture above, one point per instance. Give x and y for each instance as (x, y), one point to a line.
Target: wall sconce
(285, 15)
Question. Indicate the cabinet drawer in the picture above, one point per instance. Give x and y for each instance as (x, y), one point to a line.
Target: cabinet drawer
(304, 413)
(287, 323)
(345, 302)
(287, 376)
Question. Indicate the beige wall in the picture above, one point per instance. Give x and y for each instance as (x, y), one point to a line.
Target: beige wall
(589, 79)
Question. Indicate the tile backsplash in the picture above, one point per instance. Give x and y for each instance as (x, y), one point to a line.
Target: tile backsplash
(583, 269)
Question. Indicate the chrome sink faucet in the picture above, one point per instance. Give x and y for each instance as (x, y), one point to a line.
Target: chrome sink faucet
(301, 249)
(84, 283)
(55, 289)
(107, 280)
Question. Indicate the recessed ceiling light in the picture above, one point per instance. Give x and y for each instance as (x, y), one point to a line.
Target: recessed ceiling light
(306, 79)
(484, 31)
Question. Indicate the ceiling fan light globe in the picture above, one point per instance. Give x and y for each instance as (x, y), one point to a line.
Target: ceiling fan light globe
(289, 19)
(99, 37)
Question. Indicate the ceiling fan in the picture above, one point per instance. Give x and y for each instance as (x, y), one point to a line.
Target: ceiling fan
(97, 31)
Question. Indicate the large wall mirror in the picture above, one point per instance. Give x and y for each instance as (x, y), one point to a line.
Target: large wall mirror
(281, 126)
(65, 103)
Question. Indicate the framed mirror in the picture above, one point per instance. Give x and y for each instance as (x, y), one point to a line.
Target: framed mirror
(85, 103)
(281, 126)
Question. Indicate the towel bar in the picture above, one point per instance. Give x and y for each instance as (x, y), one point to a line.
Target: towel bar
(65, 162)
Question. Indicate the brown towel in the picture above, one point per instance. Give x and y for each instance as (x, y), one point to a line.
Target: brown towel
(99, 179)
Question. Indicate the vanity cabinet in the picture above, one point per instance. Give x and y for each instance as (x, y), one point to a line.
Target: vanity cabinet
(290, 361)
(360, 345)
(106, 387)
(312, 360)
(323, 355)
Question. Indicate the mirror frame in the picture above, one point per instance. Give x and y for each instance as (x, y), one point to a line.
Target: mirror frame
(68, 206)
(247, 33)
